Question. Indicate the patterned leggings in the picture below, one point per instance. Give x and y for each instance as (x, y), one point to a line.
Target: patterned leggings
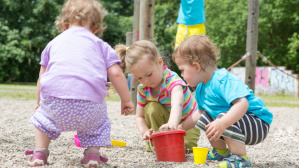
(249, 129)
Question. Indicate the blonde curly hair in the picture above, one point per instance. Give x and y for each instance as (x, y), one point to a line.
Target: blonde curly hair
(137, 51)
(79, 12)
(198, 49)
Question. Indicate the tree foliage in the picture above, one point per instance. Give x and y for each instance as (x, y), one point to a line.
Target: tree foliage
(165, 29)
(226, 25)
(26, 26)
(278, 32)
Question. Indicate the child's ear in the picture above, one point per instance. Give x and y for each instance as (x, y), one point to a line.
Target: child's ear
(160, 60)
(94, 31)
(196, 65)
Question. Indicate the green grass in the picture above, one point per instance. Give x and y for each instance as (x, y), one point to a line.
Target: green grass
(28, 92)
(113, 96)
(280, 100)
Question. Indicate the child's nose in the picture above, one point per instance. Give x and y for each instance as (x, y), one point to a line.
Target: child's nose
(146, 79)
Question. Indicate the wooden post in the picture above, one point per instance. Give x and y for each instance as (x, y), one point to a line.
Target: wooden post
(129, 38)
(134, 82)
(143, 29)
(146, 29)
(136, 20)
(251, 42)
(129, 41)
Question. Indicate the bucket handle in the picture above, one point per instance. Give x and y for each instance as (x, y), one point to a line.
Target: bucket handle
(152, 148)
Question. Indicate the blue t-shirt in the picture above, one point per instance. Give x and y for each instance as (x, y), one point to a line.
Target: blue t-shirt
(218, 94)
(191, 12)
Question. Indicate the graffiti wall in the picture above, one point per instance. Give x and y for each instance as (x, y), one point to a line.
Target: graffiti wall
(269, 80)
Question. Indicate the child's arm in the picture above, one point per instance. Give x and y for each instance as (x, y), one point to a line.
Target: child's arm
(177, 102)
(141, 125)
(119, 82)
(41, 71)
(191, 121)
(216, 128)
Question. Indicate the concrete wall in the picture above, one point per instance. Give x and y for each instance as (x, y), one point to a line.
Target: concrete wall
(269, 80)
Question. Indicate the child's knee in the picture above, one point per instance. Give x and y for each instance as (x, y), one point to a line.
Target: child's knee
(151, 109)
(154, 109)
(191, 138)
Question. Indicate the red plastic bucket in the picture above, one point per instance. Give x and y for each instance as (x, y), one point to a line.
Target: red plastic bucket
(169, 146)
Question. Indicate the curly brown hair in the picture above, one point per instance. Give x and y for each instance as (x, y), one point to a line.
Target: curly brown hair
(198, 49)
(79, 12)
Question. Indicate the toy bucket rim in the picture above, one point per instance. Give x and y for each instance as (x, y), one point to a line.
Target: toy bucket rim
(167, 133)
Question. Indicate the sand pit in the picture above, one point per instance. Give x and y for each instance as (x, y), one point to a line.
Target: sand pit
(280, 149)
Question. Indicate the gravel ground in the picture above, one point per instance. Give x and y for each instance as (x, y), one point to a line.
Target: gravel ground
(280, 149)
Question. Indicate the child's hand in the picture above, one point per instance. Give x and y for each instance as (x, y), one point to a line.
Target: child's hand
(127, 108)
(147, 134)
(215, 130)
(36, 107)
(180, 127)
(167, 127)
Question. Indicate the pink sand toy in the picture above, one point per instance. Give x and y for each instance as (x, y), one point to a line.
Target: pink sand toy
(77, 142)
(113, 142)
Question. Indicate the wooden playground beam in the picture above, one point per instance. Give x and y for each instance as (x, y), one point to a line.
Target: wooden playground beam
(146, 25)
(143, 29)
(129, 38)
(136, 20)
(135, 83)
(251, 42)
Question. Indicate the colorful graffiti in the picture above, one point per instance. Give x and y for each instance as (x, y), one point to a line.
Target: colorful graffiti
(269, 80)
(262, 77)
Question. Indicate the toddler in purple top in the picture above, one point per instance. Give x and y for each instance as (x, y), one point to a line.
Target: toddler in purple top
(72, 84)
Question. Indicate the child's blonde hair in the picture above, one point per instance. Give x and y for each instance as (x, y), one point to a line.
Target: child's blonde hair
(198, 49)
(137, 51)
(80, 11)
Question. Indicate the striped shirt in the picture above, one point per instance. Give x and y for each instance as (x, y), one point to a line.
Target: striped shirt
(170, 80)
